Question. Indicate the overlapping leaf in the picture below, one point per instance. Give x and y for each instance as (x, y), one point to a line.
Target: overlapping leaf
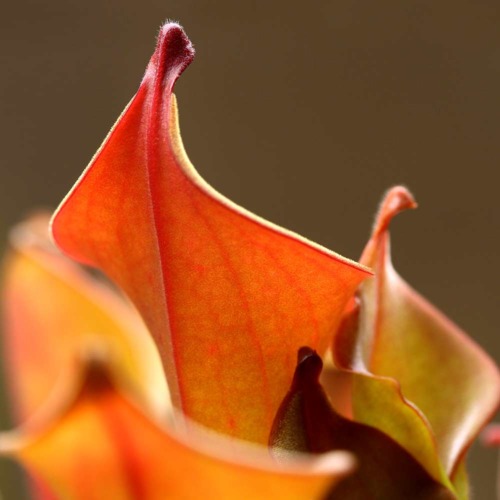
(53, 309)
(228, 297)
(408, 358)
(98, 445)
(307, 422)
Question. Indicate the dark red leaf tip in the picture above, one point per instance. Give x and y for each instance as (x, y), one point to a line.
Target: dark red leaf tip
(174, 52)
(304, 353)
(309, 366)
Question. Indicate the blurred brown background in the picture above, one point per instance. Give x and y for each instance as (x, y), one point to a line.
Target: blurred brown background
(304, 114)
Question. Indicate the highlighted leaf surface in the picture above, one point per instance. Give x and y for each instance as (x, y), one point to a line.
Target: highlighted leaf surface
(228, 297)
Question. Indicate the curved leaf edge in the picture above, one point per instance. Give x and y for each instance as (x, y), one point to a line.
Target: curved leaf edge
(95, 374)
(174, 34)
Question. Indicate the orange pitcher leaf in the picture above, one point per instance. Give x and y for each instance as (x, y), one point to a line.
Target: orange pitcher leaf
(227, 296)
(52, 309)
(307, 422)
(398, 334)
(101, 446)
